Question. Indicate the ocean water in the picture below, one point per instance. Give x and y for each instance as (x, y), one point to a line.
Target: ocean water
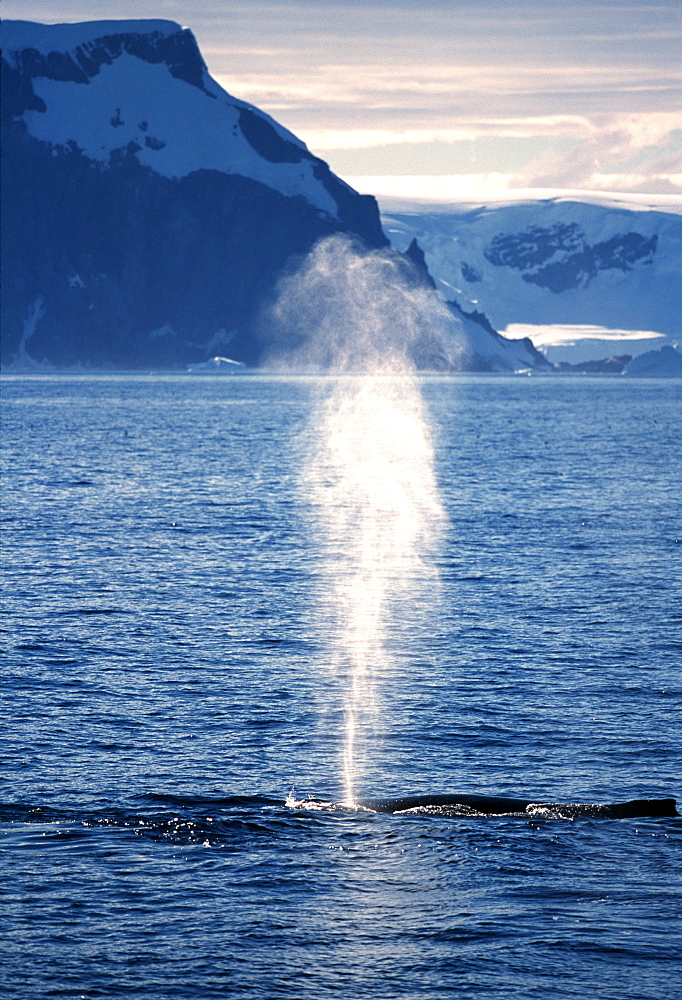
(168, 704)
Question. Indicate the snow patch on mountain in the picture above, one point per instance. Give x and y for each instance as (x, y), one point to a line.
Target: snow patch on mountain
(119, 88)
(170, 126)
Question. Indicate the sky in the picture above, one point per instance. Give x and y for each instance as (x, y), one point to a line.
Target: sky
(450, 100)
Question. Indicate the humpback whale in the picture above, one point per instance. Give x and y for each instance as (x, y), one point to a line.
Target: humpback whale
(496, 805)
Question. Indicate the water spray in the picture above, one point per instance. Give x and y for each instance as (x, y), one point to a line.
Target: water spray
(367, 319)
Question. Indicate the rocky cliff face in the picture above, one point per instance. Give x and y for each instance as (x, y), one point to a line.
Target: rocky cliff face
(147, 214)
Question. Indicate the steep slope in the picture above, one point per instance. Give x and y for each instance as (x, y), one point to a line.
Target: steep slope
(479, 347)
(147, 214)
(554, 262)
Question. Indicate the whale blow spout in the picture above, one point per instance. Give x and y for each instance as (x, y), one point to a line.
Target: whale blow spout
(497, 805)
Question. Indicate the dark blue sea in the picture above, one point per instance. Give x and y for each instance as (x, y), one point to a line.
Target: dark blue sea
(168, 706)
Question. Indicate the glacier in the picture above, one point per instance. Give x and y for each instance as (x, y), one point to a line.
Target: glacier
(556, 263)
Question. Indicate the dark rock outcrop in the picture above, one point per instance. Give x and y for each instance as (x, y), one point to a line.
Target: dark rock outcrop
(559, 257)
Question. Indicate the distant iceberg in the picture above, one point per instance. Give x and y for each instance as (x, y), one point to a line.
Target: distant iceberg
(224, 366)
(664, 363)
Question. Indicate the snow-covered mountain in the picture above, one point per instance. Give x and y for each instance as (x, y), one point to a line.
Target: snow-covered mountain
(146, 213)
(554, 263)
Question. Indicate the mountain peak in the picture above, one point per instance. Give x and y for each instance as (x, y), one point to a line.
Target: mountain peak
(149, 213)
(119, 89)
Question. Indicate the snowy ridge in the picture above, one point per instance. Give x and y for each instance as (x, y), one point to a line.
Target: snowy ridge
(44, 39)
(119, 88)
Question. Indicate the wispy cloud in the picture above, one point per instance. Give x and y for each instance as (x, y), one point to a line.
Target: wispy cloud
(442, 96)
(635, 131)
(600, 161)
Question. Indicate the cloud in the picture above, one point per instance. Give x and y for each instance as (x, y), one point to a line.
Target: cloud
(649, 142)
(467, 130)
(436, 188)
(446, 96)
(641, 183)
